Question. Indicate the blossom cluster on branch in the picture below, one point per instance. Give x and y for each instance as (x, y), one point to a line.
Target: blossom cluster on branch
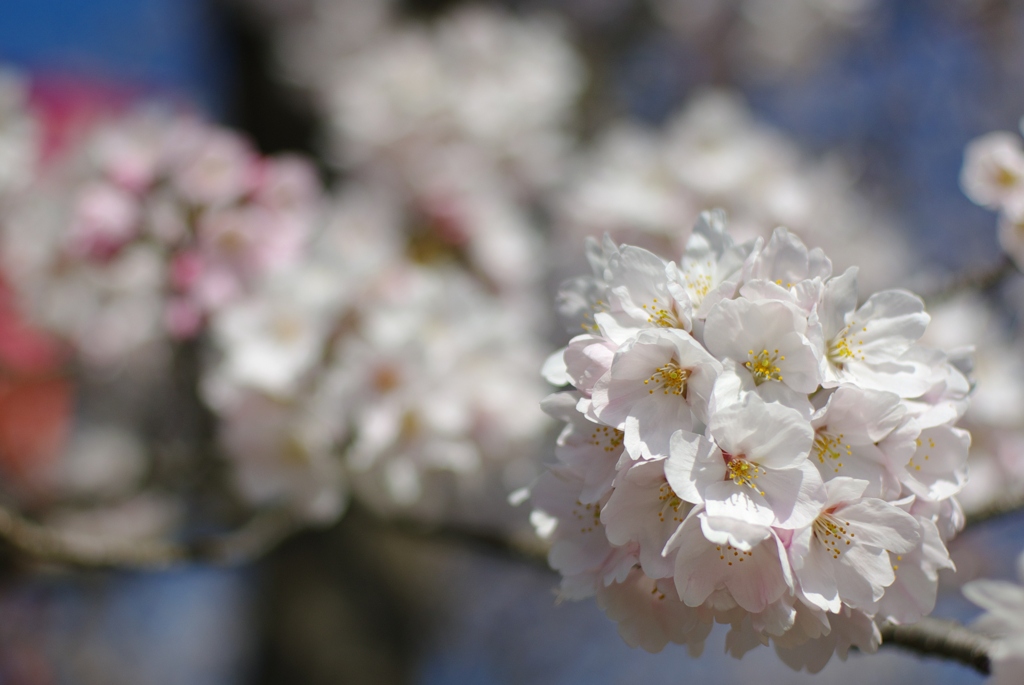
(140, 231)
(746, 440)
(747, 444)
(360, 371)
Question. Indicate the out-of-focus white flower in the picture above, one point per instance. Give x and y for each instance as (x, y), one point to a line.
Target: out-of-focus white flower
(101, 462)
(993, 176)
(383, 358)
(993, 171)
(20, 136)
(210, 168)
(646, 187)
(479, 78)
(769, 38)
(463, 120)
(1003, 602)
(272, 340)
(974, 328)
(282, 455)
(718, 435)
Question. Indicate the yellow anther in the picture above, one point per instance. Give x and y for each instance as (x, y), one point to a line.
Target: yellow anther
(763, 367)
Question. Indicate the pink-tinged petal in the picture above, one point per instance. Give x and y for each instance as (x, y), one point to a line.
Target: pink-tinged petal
(862, 576)
(726, 499)
(643, 508)
(560, 405)
(835, 459)
(780, 393)
(937, 470)
(862, 416)
(579, 542)
(881, 525)
(894, 319)
(842, 489)
(796, 495)
(816, 575)
(734, 327)
(649, 430)
(740, 534)
(754, 578)
(777, 619)
(637, 281)
(590, 451)
(837, 301)
(587, 359)
(912, 594)
(650, 614)
(785, 258)
(618, 332)
(554, 370)
(905, 377)
(764, 579)
(769, 434)
(693, 464)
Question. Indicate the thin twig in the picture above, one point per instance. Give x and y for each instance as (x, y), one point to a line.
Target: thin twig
(50, 545)
(978, 279)
(996, 509)
(942, 639)
(520, 548)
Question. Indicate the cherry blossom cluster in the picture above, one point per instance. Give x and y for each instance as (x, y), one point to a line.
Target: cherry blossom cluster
(993, 176)
(447, 131)
(148, 225)
(646, 186)
(746, 444)
(464, 120)
(768, 39)
(380, 370)
(477, 80)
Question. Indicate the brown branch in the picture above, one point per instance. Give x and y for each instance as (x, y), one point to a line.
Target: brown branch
(942, 639)
(524, 548)
(42, 543)
(929, 637)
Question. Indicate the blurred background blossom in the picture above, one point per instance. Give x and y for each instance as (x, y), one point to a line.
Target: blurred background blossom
(302, 254)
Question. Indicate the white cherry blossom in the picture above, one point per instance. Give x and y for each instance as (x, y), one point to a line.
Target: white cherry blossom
(754, 578)
(867, 345)
(842, 557)
(579, 547)
(993, 171)
(588, 449)
(768, 339)
(658, 382)
(847, 431)
(650, 614)
(755, 471)
(644, 509)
